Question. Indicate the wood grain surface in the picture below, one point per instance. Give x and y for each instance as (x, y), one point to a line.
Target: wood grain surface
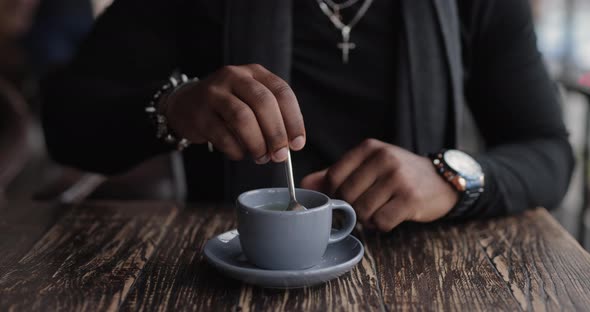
(88, 260)
(21, 226)
(510, 264)
(110, 256)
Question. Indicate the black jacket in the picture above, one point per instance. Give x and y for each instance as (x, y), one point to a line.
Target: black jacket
(477, 53)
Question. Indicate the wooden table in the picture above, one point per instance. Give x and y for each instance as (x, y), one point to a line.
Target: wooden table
(148, 256)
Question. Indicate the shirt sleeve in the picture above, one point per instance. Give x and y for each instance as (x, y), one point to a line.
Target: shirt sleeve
(528, 160)
(93, 112)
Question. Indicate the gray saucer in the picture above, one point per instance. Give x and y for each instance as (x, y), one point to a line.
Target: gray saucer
(225, 253)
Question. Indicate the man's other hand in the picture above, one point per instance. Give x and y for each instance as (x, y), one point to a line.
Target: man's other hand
(386, 185)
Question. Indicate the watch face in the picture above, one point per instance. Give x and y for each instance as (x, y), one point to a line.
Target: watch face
(463, 164)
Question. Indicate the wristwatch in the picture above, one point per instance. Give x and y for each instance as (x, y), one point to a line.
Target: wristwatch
(464, 174)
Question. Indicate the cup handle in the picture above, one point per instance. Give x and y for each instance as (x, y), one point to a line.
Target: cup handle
(349, 224)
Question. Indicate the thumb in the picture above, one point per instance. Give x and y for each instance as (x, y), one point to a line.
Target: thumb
(314, 181)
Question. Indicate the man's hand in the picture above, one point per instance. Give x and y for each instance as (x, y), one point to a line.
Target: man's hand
(386, 185)
(240, 110)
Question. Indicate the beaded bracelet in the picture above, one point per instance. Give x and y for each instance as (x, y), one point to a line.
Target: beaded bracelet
(160, 121)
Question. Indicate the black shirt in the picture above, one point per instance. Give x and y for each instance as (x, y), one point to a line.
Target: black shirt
(342, 103)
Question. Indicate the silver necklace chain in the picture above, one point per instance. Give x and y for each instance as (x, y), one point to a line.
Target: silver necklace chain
(336, 7)
(345, 29)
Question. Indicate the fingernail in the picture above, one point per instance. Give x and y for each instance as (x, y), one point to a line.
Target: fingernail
(280, 155)
(262, 160)
(298, 143)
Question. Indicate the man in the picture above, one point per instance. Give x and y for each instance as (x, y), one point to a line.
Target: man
(361, 91)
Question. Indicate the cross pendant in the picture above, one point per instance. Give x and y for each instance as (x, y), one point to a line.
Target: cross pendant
(346, 45)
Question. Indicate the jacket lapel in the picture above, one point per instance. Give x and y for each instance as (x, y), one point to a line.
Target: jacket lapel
(448, 19)
(431, 72)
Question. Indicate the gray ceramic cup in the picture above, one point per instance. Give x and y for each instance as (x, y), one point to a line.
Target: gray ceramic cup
(289, 240)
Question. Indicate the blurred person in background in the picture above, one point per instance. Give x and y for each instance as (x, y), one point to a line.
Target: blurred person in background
(34, 37)
(15, 19)
(368, 87)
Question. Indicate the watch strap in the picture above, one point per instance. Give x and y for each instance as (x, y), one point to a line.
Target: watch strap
(466, 200)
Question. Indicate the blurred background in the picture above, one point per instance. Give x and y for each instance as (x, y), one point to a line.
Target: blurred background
(38, 35)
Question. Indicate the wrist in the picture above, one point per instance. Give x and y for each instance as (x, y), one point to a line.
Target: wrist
(464, 175)
(158, 109)
(174, 95)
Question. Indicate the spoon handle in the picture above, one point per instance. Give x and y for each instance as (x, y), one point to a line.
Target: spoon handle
(289, 172)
